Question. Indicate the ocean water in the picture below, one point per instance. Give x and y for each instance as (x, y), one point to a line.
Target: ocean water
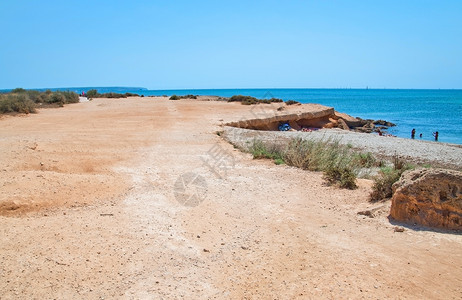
(425, 110)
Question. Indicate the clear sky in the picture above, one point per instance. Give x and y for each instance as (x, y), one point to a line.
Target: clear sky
(231, 44)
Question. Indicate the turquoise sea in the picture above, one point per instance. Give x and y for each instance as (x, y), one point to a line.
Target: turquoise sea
(425, 110)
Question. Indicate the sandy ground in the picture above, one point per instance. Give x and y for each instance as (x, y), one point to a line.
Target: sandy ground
(139, 198)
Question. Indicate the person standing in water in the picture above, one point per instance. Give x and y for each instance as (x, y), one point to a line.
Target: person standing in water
(435, 134)
(413, 133)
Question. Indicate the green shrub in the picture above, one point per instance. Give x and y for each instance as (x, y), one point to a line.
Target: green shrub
(18, 90)
(249, 100)
(297, 154)
(279, 161)
(398, 162)
(92, 94)
(382, 187)
(337, 161)
(43, 98)
(175, 97)
(25, 106)
(292, 102)
(188, 97)
(344, 177)
(383, 182)
(112, 95)
(317, 155)
(25, 101)
(241, 98)
(20, 103)
(70, 97)
(269, 101)
(35, 96)
(259, 150)
(56, 97)
(366, 160)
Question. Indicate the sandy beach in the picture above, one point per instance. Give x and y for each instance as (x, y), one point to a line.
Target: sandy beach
(139, 198)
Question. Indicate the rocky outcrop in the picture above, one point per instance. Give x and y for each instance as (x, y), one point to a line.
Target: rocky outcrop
(306, 116)
(361, 125)
(430, 197)
(349, 120)
(315, 118)
(342, 124)
(384, 123)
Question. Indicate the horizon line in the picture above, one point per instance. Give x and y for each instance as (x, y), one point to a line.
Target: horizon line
(248, 88)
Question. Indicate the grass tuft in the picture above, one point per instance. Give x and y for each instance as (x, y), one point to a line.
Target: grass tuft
(383, 182)
(260, 150)
(338, 163)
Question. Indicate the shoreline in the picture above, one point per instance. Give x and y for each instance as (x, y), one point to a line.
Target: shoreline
(420, 152)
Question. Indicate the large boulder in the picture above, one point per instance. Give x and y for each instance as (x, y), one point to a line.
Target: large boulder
(430, 197)
(349, 120)
(342, 124)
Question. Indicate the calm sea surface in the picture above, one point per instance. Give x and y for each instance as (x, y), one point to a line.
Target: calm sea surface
(425, 110)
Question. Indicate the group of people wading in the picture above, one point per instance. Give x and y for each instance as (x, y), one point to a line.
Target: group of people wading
(435, 134)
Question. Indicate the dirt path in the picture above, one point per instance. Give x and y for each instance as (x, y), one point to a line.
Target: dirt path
(97, 211)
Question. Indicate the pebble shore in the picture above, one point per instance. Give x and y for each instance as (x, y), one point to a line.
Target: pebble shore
(417, 151)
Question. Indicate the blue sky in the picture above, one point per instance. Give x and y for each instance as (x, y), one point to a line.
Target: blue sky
(231, 44)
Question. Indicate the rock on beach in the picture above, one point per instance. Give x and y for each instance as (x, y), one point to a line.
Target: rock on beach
(429, 197)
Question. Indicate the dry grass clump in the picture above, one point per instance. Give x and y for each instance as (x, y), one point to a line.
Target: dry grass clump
(261, 150)
(336, 161)
(383, 182)
(339, 163)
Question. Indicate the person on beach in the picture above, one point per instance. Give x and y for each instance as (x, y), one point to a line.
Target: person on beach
(413, 133)
(420, 135)
(435, 134)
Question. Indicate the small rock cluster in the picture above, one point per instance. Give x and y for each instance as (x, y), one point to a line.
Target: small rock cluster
(346, 122)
